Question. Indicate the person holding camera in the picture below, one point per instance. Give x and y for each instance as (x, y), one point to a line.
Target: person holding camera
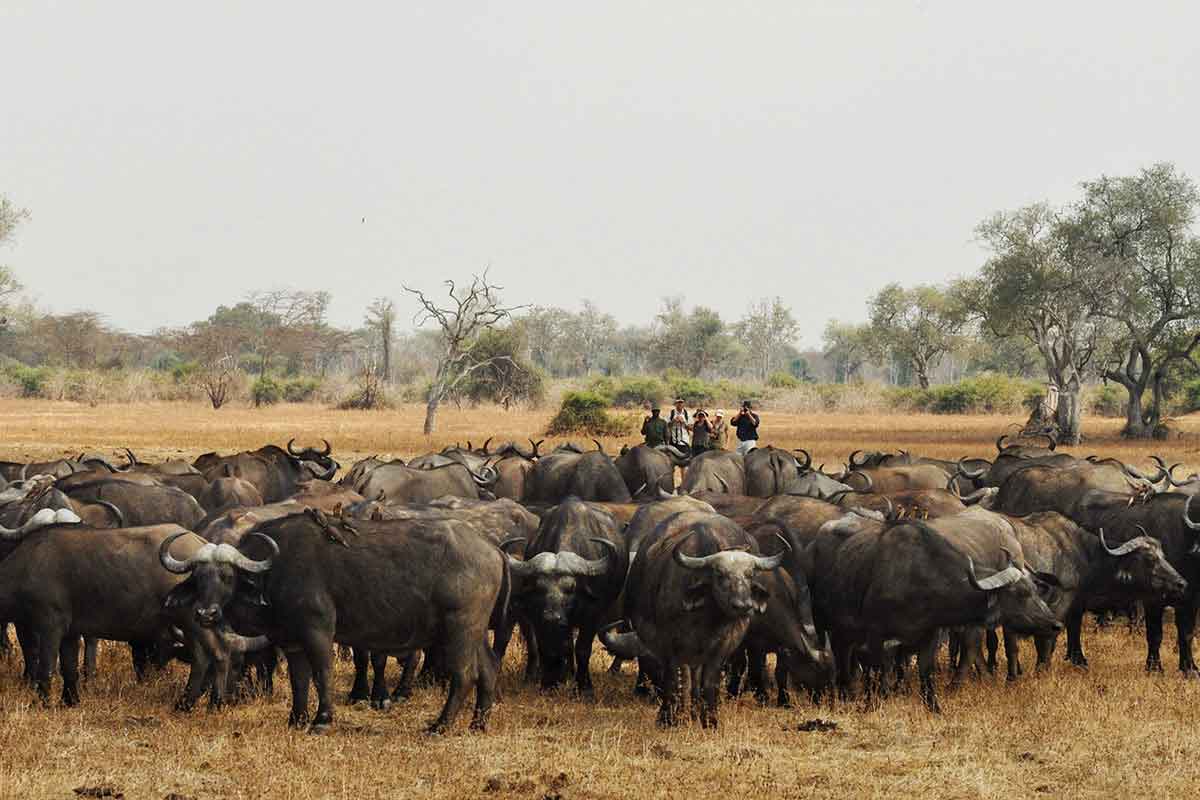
(701, 432)
(745, 422)
(718, 439)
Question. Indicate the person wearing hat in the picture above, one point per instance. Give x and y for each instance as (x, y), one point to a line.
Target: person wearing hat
(654, 428)
(701, 432)
(746, 422)
(678, 427)
(718, 438)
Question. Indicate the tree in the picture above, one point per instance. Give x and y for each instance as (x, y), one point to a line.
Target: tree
(1147, 263)
(1037, 284)
(288, 323)
(694, 342)
(766, 331)
(915, 326)
(471, 310)
(11, 217)
(381, 318)
(506, 377)
(846, 349)
(214, 348)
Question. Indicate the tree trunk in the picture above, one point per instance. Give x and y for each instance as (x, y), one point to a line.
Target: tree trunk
(922, 378)
(1068, 414)
(431, 410)
(1135, 421)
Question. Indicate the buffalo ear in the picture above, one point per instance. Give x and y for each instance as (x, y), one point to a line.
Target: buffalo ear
(695, 595)
(182, 596)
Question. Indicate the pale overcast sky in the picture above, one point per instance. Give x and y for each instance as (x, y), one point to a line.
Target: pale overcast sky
(176, 156)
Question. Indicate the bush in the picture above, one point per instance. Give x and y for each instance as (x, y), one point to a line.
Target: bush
(693, 391)
(300, 390)
(1191, 396)
(782, 380)
(265, 391)
(632, 392)
(32, 380)
(587, 413)
(1106, 401)
(988, 393)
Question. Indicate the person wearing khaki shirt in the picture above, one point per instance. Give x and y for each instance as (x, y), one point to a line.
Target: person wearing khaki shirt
(719, 438)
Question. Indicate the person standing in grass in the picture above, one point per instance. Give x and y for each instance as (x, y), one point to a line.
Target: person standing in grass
(679, 425)
(718, 439)
(746, 422)
(701, 432)
(654, 428)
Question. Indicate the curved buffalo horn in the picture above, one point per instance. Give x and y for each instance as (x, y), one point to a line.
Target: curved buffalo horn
(133, 460)
(1124, 549)
(771, 562)
(536, 445)
(690, 562)
(169, 562)
(623, 645)
(1000, 446)
(807, 459)
(486, 475)
(1171, 477)
(108, 465)
(247, 564)
(42, 519)
(870, 483)
(976, 496)
(641, 489)
(960, 470)
(289, 447)
(663, 494)
(487, 442)
(952, 486)
(328, 447)
(723, 482)
(510, 541)
(1005, 577)
(1187, 514)
(854, 463)
(891, 509)
(469, 445)
(116, 512)
(589, 568)
(328, 474)
(24, 472)
(244, 644)
(599, 446)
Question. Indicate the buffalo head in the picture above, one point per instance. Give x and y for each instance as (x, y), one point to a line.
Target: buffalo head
(214, 573)
(726, 579)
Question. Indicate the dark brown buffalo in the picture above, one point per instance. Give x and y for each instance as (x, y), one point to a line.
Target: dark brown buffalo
(690, 597)
(388, 587)
(567, 585)
(67, 582)
(649, 470)
(914, 503)
(142, 505)
(397, 482)
(715, 471)
(588, 476)
(275, 472)
(1043, 487)
(899, 585)
(1093, 575)
(770, 471)
(898, 479)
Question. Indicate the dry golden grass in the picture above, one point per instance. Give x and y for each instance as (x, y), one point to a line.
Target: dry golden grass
(1111, 731)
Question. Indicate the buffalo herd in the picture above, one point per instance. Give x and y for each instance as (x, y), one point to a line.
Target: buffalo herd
(697, 568)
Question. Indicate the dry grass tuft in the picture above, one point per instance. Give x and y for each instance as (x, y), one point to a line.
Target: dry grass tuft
(1111, 731)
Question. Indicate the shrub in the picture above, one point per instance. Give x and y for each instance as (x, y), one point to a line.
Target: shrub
(693, 391)
(587, 413)
(783, 380)
(368, 394)
(1106, 401)
(265, 391)
(32, 380)
(632, 392)
(300, 390)
(1190, 397)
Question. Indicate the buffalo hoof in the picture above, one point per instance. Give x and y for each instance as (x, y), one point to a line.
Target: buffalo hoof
(1153, 665)
(1189, 673)
(479, 723)
(641, 690)
(1011, 678)
(183, 705)
(762, 698)
(70, 698)
(382, 705)
(318, 728)
(358, 697)
(1081, 662)
(296, 720)
(402, 694)
(437, 728)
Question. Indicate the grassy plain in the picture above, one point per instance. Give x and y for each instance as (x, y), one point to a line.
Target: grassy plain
(1112, 731)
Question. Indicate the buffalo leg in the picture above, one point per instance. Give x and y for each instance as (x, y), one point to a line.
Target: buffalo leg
(1185, 627)
(460, 657)
(360, 690)
(756, 673)
(532, 654)
(1154, 626)
(197, 676)
(1012, 654)
(1075, 638)
(1045, 650)
(737, 671)
(502, 638)
(49, 642)
(615, 667)
(89, 659)
(583, 656)
(318, 646)
(379, 694)
(68, 665)
(408, 674)
(926, 656)
(993, 646)
(6, 647)
(970, 649)
(488, 670)
(139, 653)
(710, 682)
(29, 651)
(782, 675)
(300, 676)
(668, 713)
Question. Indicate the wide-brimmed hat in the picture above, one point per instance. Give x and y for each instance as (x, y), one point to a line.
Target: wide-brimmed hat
(678, 400)
(720, 412)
